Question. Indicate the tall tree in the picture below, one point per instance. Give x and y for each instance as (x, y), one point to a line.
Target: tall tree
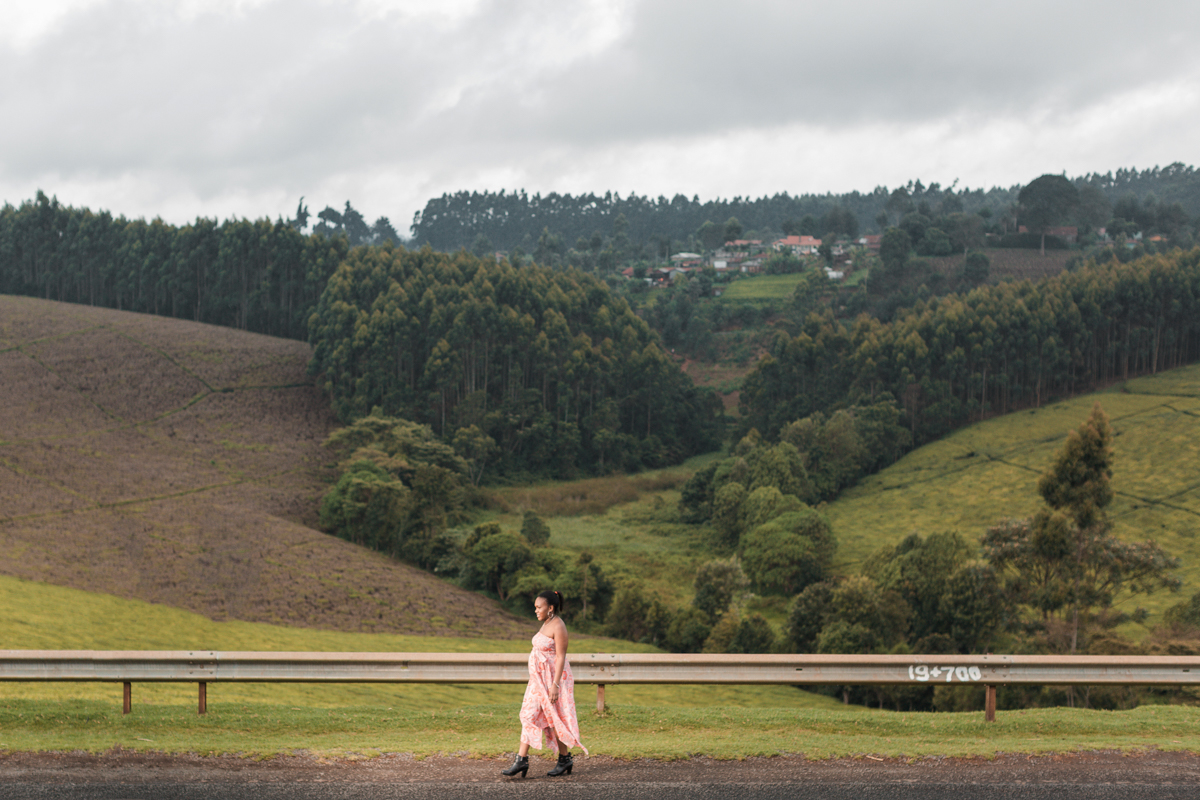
(1065, 557)
(1047, 201)
(1094, 209)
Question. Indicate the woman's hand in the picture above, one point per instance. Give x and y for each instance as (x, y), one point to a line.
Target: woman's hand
(553, 693)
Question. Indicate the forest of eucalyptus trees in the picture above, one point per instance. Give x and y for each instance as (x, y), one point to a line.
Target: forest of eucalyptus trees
(954, 359)
(547, 370)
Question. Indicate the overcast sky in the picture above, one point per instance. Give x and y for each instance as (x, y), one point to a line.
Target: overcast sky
(239, 107)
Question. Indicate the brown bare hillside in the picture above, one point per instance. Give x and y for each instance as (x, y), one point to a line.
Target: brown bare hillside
(1010, 263)
(181, 463)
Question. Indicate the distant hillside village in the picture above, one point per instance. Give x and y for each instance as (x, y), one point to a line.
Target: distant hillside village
(1050, 212)
(607, 233)
(749, 256)
(843, 256)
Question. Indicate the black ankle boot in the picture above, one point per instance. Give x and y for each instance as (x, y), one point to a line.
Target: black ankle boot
(521, 765)
(565, 762)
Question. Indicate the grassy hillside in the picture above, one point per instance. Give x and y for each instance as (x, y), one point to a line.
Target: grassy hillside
(181, 463)
(989, 471)
(37, 616)
(964, 483)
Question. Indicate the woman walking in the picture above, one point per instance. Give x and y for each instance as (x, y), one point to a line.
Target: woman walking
(549, 704)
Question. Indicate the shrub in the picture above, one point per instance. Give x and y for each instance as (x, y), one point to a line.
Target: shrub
(789, 552)
(688, 631)
(1030, 241)
(494, 557)
(717, 583)
(754, 635)
(1185, 614)
(536, 532)
(807, 615)
(636, 616)
(976, 268)
(722, 633)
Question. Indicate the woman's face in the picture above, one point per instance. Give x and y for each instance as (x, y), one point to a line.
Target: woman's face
(541, 607)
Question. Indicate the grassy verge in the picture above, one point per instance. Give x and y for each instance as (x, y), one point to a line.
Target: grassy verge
(256, 730)
(37, 616)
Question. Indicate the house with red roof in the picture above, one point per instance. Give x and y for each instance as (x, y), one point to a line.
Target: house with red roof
(797, 245)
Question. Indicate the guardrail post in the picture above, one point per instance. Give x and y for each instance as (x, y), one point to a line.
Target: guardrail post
(600, 697)
(203, 708)
(989, 705)
(127, 703)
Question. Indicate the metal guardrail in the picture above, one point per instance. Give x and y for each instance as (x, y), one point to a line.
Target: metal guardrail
(204, 667)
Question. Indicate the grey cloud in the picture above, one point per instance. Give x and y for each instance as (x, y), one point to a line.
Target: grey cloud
(303, 93)
(119, 87)
(683, 70)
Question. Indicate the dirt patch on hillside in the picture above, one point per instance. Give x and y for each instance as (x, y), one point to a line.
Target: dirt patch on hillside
(124, 379)
(26, 319)
(37, 404)
(182, 464)
(223, 357)
(723, 377)
(1010, 263)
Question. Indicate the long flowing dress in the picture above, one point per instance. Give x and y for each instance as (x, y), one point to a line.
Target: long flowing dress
(538, 715)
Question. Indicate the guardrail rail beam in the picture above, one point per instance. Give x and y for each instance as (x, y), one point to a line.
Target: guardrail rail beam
(602, 669)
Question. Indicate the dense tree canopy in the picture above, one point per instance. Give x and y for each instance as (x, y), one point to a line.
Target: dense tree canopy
(1174, 183)
(951, 359)
(517, 219)
(512, 219)
(398, 490)
(555, 373)
(259, 276)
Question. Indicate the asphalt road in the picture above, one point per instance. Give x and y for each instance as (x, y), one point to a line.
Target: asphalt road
(151, 777)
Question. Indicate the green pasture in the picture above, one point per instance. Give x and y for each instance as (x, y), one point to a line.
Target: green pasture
(714, 731)
(644, 541)
(856, 277)
(966, 482)
(988, 471)
(760, 288)
(37, 616)
(640, 538)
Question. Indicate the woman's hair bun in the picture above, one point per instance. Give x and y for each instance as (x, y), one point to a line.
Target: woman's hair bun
(553, 597)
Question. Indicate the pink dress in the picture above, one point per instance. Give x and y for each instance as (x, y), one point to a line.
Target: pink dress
(557, 720)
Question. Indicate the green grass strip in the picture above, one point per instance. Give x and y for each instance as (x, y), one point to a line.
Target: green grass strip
(760, 288)
(38, 616)
(262, 731)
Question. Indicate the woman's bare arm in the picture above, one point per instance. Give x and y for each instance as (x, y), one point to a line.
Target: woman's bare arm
(561, 641)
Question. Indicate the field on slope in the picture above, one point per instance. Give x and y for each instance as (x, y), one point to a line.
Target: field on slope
(1006, 264)
(988, 471)
(181, 463)
(760, 288)
(965, 482)
(1009, 263)
(37, 616)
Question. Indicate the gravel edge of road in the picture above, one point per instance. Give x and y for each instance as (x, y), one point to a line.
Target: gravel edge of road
(1141, 766)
